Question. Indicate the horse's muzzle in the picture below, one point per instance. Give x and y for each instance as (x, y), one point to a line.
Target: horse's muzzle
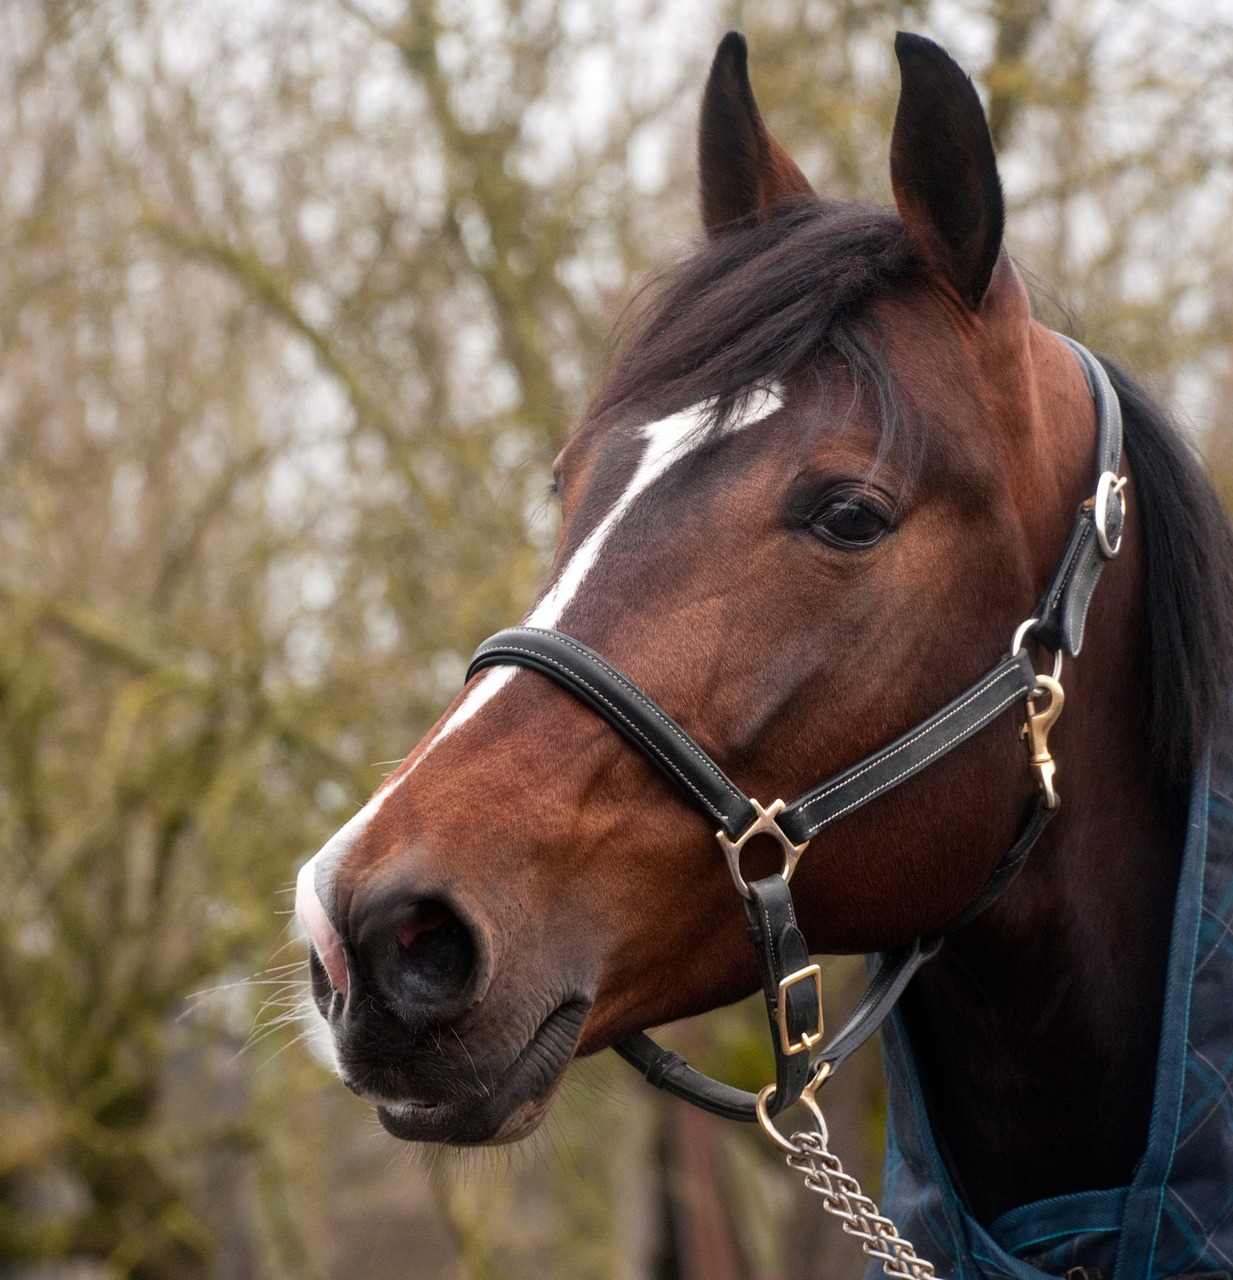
(402, 986)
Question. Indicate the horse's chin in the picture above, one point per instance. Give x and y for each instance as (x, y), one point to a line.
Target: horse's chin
(464, 1124)
(507, 1111)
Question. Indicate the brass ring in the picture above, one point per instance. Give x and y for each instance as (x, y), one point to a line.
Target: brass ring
(763, 824)
(810, 1101)
(784, 1144)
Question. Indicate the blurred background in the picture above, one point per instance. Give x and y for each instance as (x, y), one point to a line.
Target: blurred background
(298, 300)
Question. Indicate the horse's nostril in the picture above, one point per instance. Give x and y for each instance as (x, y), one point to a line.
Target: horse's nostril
(424, 917)
(418, 956)
(436, 951)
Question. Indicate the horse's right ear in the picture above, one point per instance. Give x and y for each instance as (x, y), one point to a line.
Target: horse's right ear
(742, 169)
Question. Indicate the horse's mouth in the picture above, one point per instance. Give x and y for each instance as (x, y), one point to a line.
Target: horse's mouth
(512, 1106)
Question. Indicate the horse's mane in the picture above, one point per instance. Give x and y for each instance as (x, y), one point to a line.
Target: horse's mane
(1188, 549)
(766, 300)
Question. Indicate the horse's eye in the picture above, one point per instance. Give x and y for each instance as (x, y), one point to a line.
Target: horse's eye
(849, 519)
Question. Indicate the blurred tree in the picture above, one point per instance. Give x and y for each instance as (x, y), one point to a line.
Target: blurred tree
(296, 308)
(297, 302)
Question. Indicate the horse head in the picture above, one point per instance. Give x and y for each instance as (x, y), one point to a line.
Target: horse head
(831, 469)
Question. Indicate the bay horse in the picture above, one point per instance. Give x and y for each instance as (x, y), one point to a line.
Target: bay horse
(832, 469)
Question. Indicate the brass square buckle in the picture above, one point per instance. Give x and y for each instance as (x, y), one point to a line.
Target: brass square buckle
(808, 1038)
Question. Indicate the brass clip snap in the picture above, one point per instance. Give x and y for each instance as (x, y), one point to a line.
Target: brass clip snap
(1036, 733)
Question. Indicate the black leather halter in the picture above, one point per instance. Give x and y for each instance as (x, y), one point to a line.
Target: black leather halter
(791, 985)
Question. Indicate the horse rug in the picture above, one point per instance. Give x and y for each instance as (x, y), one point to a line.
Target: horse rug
(1176, 1216)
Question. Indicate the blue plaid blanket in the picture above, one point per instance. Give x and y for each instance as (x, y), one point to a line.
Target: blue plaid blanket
(1176, 1217)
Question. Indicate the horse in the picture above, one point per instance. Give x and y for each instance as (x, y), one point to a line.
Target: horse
(828, 482)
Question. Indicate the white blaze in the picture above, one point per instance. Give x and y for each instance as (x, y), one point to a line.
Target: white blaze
(667, 442)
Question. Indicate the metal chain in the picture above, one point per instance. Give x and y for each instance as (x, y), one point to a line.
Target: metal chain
(808, 1153)
(841, 1195)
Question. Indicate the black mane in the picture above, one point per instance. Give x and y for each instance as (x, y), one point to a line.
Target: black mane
(766, 300)
(1188, 552)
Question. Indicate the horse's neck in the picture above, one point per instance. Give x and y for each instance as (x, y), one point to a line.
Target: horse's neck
(1036, 1029)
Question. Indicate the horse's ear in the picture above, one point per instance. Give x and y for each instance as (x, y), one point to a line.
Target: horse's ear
(943, 170)
(742, 169)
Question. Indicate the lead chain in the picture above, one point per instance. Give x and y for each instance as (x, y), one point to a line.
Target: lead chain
(842, 1196)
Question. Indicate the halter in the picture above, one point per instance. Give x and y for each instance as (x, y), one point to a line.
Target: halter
(791, 985)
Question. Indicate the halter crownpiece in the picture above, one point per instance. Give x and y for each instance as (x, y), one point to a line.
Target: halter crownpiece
(792, 986)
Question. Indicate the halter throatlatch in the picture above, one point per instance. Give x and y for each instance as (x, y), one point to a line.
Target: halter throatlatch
(791, 985)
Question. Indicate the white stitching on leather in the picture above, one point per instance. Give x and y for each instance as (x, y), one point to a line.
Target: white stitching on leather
(616, 711)
(1087, 600)
(1088, 533)
(912, 739)
(886, 786)
(1108, 410)
(903, 746)
(650, 706)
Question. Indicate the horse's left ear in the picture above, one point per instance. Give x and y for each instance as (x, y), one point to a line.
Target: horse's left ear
(943, 170)
(742, 170)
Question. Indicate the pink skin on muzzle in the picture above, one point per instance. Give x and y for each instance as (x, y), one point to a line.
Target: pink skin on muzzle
(321, 933)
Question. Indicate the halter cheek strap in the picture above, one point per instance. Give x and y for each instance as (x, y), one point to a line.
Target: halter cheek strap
(791, 984)
(1096, 536)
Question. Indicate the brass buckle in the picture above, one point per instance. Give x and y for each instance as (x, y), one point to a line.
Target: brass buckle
(808, 1038)
(763, 824)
